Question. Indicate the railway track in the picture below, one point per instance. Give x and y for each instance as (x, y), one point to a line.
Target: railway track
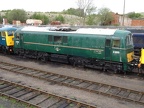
(37, 98)
(90, 86)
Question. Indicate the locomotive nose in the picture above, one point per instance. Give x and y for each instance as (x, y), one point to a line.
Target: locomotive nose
(141, 60)
(130, 56)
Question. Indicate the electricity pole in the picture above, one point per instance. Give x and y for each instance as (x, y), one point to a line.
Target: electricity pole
(123, 13)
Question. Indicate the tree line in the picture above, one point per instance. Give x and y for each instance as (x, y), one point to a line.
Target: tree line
(22, 15)
(88, 13)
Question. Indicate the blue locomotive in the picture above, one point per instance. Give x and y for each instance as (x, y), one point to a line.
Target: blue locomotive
(7, 39)
(138, 40)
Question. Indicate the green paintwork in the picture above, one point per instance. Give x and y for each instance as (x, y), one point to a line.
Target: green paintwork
(84, 45)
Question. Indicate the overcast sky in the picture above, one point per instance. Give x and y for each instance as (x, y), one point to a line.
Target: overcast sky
(59, 5)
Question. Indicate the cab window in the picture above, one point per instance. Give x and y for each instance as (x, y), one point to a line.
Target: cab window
(3, 34)
(17, 35)
(116, 43)
(129, 40)
(10, 33)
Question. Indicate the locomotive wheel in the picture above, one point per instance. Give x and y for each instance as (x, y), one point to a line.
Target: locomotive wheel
(115, 71)
(104, 69)
(71, 61)
(4, 50)
(77, 61)
(43, 58)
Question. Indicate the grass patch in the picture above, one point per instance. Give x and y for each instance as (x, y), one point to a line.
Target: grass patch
(1, 106)
(14, 102)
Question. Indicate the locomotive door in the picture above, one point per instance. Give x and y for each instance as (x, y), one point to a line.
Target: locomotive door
(57, 43)
(21, 40)
(108, 49)
(18, 40)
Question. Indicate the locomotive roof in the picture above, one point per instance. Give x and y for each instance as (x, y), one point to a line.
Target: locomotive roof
(96, 31)
(79, 31)
(138, 34)
(7, 28)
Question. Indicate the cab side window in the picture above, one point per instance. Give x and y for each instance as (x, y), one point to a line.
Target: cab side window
(17, 35)
(116, 43)
(3, 34)
(129, 40)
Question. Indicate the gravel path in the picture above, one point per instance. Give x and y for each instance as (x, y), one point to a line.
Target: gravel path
(93, 75)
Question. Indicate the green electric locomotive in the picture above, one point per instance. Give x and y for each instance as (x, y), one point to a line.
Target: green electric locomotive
(109, 49)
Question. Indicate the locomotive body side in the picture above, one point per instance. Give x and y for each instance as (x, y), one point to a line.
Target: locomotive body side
(108, 49)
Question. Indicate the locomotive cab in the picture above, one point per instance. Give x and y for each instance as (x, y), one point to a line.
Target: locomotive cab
(119, 51)
(130, 53)
(7, 39)
(129, 47)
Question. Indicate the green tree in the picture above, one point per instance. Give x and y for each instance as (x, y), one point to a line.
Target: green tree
(36, 16)
(1, 19)
(134, 15)
(105, 16)
(87, 7)
(72, 11)
(91, 20)
(5, 10)
(16, 14)
(42, 17)
(45, 19)
(60, 18)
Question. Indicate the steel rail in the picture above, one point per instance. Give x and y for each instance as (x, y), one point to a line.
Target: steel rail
(46, 76)
(68, 100)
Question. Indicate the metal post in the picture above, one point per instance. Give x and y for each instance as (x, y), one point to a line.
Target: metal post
(123, 13)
